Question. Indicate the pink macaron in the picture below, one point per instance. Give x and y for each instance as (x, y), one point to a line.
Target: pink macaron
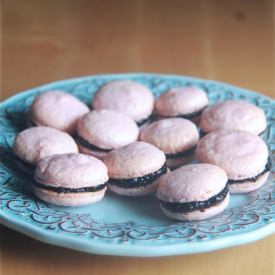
(99, 132)
(193, 192)
(243, 156)
(185, 102)
(36, 143)
(233, 115)
(176, 137)
(127, 96)
(70, 179)
(58, 110)
(134, 168)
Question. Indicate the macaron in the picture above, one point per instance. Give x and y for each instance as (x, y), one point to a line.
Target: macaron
(193, 192)
(127, 96)
(185, 102)
(233, 115)
(56, 109)
(36, 143)
(176, 137)
(70, 179)
(134, 168)
(99, 132)
(242, 155)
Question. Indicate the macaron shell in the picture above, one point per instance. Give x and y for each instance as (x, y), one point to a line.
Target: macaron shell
(36, 143)
(241, 154)
(134, 192)
(249, 186)
(171, 135)
(134, 160)
(69, 199)
(58, 110)
(198, 215)
(127, 96)
(71, 171)
(193, 182)
(107, 129)
(180, 101)
(233, 115)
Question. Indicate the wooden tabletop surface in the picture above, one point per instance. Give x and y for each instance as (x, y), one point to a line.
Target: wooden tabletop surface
(48, 40)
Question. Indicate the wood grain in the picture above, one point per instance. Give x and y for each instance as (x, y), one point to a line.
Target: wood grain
(48, 40)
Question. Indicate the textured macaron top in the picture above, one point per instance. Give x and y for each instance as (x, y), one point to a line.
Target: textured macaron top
(134, 160)
(71, 171)
(35, 143)
(181, 101)
(126, 96)
(241, 154)
(57, 109)
(233, 115)
(107, 129)
(172, 135)
(193, 182)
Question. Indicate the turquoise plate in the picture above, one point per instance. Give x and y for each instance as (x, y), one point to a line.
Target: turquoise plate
(129, 226)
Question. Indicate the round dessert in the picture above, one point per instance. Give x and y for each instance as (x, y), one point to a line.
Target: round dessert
(233, 115)
(134, 168)
(176, 137)
(99, 132)
(58, 110)
(36, 143)
(126, 96)
(243, 156)
(185, 102)
(70, 179)
(193, 192)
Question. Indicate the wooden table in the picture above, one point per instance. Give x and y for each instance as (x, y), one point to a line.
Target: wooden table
(43, 41)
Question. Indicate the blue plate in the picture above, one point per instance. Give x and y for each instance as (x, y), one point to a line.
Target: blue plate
(129, 226)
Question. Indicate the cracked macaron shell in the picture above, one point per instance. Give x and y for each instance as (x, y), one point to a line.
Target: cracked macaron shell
(241, 154)
(107, 129)
(190, 183)
(36, 143)
(172, 135)
(71, 171)
(134, 160)
(57, 109)
(126, 96)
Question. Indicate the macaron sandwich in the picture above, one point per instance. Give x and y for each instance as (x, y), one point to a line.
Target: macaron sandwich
(176, 137)
(36, 143)
(70, 179)
(134, 168)
(242, 155)
(193, 192)
(127, 96)
(233, 115)
(99, 132)
(56, 109)
(185, 102)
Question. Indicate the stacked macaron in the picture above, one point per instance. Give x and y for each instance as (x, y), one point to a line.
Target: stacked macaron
(116, 153)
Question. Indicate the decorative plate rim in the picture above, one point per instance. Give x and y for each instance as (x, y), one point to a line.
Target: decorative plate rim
(136, 248)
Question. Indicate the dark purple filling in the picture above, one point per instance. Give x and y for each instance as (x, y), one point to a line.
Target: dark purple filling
(193, 115)
(139, 181)
(70, 190)
(186, 207)
(255, 178)
(29, 166)
(143, 121)
(185, 153)
(88, 145)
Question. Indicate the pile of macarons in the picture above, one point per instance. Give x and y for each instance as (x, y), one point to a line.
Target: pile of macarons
(190, 154)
